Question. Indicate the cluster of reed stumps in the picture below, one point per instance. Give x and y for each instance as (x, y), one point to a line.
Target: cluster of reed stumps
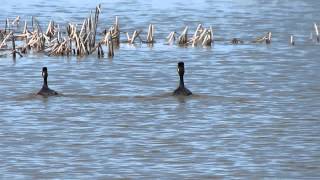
(80, 40)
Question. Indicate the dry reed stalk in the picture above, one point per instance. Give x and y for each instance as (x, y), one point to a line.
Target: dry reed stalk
(128, 37)
(260, 39)
(134, 36)
(105, 39)
(207, 41)
(268, 38)
(110, 47)
(50, 30)
(292, 40)
(317, 32)
(211, 33)
(150, 38)
(202, 35)
(171, 37)
(5, 40)
(116, 32)
(13, 47)
(95, 24)
(183, 38)
(195, 36)
(100, 51)
(16, 21)
(7, 27)
(25, 28)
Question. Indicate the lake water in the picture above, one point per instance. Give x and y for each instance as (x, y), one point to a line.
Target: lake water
(254, 113)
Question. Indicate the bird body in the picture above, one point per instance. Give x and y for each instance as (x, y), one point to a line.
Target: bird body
(181, 90)
(45, 90)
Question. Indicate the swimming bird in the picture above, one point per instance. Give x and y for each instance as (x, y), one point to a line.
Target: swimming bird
(181, 90)
(236, 41)
(45, 90)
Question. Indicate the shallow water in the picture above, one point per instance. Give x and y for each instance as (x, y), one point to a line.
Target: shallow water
(255, 112)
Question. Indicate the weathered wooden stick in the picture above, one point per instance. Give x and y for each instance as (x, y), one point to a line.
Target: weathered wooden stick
(317, 32)
(171, 37)
(208, 39)
(211, 33)
(128, 37)
(150, 34)
(5, 40)
(25, 28)
(197, 30)
(268, 39)
(292, 40)
(16, 21)
(260, 39)
(106, 38)
(59, 35)
(13, 47)
(134, 36)
(100, 51)
(183, 38)
(195, 37)
(8, 24)
(110, 47)
(83, 27)
(96, 18)
(19, 54)
(5, 28)
(70, 44)
(202, 35)
(117, 31)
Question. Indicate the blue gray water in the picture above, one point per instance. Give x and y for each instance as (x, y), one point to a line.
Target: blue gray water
(255, 112)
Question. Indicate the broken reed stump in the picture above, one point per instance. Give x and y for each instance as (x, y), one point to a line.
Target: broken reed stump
(96, 18)
(14, 51)
(16, 21)
(268, 38)
(183, 38)
(196, 35)
(292, 40)
(6, 26)
(110, 46)
(13, 47)
(3, 44)
(150, 35)
(171, 37)
(51, 30)
(133, 37)
(100, 51)
(208, 37)
(116, 32)
(317, 32)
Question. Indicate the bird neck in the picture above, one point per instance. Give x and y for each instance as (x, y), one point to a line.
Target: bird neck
(181, 81)
(45, 82)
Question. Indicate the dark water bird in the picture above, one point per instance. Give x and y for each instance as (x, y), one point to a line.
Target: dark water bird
(45, 90)
(181, 90)
(236, 41)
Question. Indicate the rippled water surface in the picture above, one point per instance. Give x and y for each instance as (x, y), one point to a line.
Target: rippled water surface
(255, 112)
